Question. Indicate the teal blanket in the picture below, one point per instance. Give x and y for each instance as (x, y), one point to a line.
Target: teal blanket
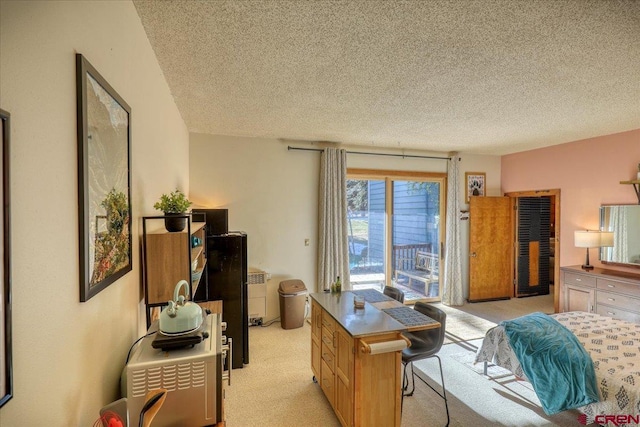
(554, 361)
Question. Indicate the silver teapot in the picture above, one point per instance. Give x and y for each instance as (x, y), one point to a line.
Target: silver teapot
(180, 316)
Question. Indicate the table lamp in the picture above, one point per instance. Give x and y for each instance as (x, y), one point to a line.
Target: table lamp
(592, 239)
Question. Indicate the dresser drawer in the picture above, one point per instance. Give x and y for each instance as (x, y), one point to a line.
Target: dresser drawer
(579, 279)
(618, 313)
(616, 300)
(622, 287)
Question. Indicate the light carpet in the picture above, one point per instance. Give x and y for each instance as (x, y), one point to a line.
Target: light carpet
(468, 360)
(276, 388)
(480, 401)
(463, 326)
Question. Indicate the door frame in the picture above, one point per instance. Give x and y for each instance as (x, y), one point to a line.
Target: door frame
(555, 195)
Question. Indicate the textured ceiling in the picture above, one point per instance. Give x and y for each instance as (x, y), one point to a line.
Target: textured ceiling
(487, 77)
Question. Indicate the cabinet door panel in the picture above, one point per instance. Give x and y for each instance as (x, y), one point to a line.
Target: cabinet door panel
(316, 319)
(577, 298)
(316, 338)
(327, 380)
(315, 358)
(344, 376)
(344, 402)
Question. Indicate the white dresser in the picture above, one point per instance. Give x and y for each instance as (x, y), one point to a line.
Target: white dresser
(607, 292)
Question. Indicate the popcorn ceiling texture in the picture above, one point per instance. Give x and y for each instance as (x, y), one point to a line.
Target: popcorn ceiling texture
(485, 77)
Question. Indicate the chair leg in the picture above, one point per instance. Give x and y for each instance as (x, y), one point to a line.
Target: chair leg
(405, 384)
(405, 381)
(443, 395)
(444, 390)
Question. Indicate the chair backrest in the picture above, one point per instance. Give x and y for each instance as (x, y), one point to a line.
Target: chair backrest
(436, 314)
(394, 293)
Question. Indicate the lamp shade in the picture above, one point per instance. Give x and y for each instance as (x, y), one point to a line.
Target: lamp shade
(587, 239)
(593, 238)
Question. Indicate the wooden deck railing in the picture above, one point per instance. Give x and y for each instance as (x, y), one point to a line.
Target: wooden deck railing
(403, 257)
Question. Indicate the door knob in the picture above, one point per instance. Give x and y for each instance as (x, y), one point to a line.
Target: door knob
(472, 254)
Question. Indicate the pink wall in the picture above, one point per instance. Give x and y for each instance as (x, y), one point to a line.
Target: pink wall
(588, 174)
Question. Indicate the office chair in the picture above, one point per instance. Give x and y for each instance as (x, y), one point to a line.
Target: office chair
(394, 293)
(425, 344)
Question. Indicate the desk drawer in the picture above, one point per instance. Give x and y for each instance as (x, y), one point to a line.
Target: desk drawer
(618, 301)
(579, 279)
(622, 287)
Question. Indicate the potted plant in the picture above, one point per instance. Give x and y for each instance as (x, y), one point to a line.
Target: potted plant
(172, 205)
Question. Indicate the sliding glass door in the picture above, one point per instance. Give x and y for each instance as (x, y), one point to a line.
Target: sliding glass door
(395, 231)
(367, 232)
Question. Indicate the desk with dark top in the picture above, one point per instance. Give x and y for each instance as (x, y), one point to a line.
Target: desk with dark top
(356, 355)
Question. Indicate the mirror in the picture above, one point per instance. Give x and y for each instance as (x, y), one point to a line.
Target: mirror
(624, 222)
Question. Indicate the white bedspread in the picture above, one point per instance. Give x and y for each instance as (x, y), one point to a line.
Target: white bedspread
(614, 347)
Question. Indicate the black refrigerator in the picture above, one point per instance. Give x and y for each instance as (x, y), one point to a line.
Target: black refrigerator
(227, 281)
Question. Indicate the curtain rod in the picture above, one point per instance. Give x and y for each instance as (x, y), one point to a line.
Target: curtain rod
(372, 154)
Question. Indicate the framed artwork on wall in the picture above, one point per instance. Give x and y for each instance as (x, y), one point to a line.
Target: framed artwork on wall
(104, 177)
(475, 184)
(6, 366)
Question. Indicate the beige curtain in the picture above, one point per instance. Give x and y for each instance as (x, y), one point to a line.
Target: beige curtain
(333, 249)
(452, 288)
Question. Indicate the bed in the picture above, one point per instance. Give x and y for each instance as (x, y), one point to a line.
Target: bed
(614, 348)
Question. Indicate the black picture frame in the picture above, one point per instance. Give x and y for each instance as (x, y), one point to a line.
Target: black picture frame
(6, 361)
(104, 181)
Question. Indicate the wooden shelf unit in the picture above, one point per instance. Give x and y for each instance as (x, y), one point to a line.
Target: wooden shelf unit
(167, 258)
(636, 186)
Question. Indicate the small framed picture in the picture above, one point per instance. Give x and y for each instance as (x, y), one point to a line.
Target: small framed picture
(475, 184)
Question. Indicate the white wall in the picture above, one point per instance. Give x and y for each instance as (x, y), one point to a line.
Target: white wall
(67, 355)
(271, 193)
